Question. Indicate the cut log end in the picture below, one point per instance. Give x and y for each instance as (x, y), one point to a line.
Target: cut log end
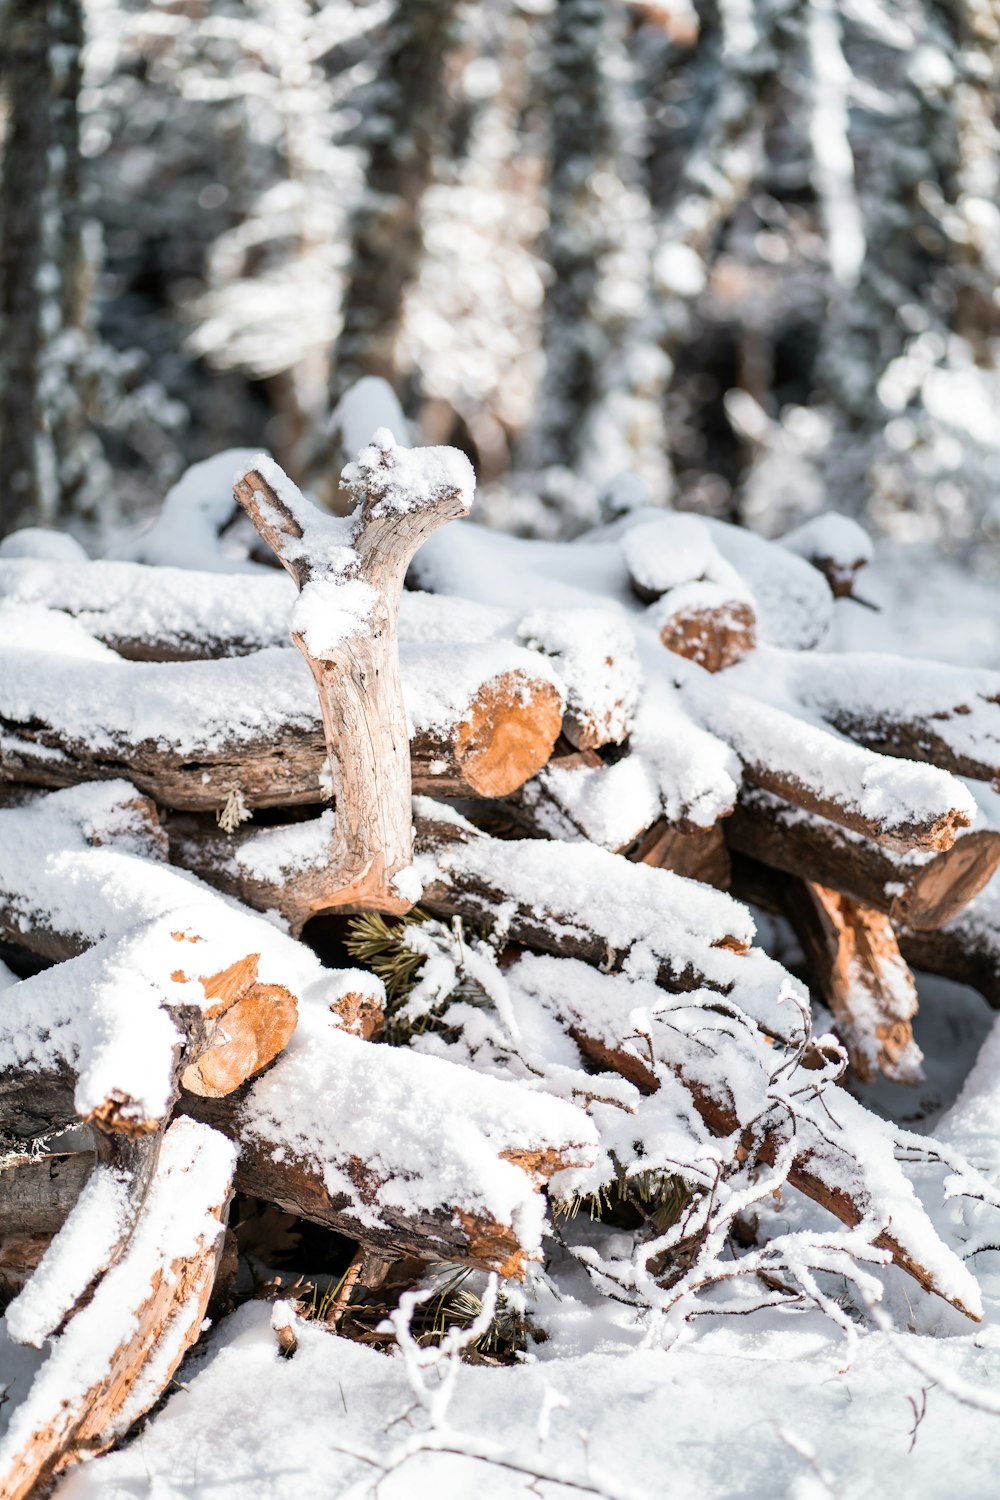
(246, 1039)
(944, 886)
(714, 638)
(508, 735)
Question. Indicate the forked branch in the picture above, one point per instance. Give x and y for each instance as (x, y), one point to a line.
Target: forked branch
(350, 574)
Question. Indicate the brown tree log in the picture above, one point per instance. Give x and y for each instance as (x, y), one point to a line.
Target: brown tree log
(966, 951)
(917, 891)
(855, 960)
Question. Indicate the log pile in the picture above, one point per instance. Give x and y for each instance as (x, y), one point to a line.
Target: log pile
(208, 773)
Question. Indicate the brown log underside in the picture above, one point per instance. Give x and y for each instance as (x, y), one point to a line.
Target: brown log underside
(913, 894)
(855, 959)
(506, 736)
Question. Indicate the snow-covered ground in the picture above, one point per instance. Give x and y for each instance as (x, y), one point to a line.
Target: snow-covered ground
(763, 1404)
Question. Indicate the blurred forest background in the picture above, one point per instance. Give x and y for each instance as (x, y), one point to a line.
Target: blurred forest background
(740, 255)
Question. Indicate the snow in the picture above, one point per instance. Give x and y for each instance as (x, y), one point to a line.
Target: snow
(393, 480)
(670, 551)
(831, 538)
(187, 530)
(609, 805)
(38, 542)
(182, 610)
(369, 404)
(617, 1419)
(82, 1250)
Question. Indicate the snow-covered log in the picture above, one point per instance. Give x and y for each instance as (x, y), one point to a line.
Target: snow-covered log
(165, 613)
(408, 1154)
(172, 614)
(122, 1027)
(703, 623)
(118, 1352)
(966, 949)
(703, 609)
(483, 719)
(919, 891)
(923, 710)
(86, 869)
(901, 804)
(834, 544)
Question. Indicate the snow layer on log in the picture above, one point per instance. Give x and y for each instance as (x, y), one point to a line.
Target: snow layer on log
(97, 1224)
(657, 925)
(182, 612)
(834, 544)
(73, 699)
(430, 1138)
(921, 709)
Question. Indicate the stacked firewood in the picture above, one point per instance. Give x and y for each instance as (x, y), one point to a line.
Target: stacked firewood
(609, 742)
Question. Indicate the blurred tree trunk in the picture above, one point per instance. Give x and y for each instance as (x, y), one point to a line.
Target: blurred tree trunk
(24, 50)
(42, 292)
(405, 116)
(581, 144)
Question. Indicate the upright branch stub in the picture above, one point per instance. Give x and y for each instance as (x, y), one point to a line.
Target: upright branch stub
(350, 572)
